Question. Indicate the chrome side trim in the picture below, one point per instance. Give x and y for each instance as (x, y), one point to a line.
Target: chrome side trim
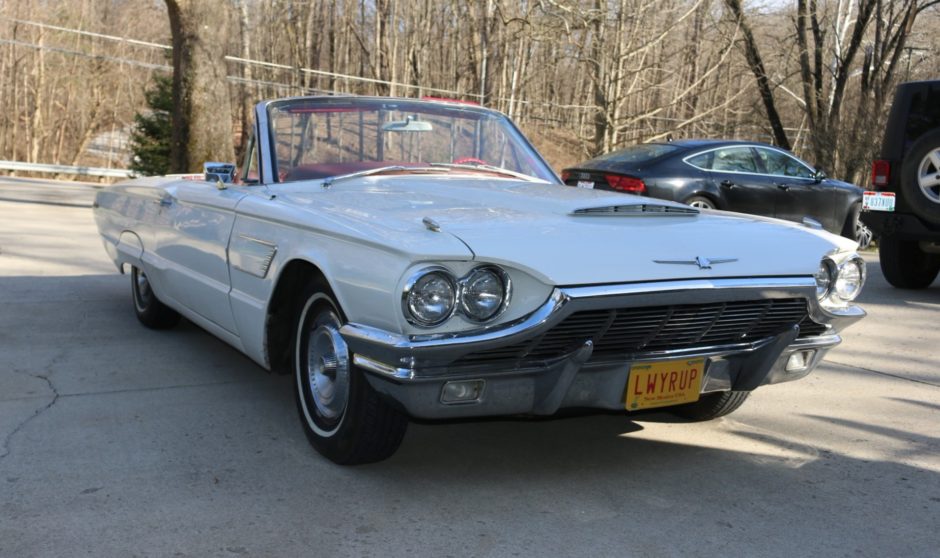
(252, 255)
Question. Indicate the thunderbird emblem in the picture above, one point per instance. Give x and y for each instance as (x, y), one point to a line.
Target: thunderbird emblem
(702, 263)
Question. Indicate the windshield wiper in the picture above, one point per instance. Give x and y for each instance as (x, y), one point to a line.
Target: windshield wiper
(329, 181)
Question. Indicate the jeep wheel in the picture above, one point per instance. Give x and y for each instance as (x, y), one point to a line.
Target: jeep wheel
(905, 265)
(920, 177)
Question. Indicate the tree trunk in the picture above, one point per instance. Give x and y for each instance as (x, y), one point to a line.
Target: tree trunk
(756, 63)
(202, 109)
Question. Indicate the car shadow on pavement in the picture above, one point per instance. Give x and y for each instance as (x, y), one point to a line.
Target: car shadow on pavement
(177, 429)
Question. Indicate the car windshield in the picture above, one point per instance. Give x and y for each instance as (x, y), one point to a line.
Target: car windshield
(638, 153)
(317, 138)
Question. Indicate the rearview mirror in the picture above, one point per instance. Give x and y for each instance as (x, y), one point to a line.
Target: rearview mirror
(409, 124)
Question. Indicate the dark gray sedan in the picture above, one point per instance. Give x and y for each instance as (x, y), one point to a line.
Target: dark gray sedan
(748, 177)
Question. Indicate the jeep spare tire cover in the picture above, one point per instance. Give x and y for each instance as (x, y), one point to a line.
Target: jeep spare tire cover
(920, 176)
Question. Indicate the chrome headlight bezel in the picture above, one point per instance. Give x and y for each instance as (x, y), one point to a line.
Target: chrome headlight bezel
(843, 267)
(459, 286)
(412, 289)
(505, 283)
(852, 270)
(825, 278)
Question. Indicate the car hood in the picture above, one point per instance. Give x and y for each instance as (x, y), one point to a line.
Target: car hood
(534, 227)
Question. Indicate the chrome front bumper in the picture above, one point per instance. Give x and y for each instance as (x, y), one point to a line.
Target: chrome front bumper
(413, 371)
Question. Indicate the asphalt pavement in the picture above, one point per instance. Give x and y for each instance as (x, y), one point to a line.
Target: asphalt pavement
(116, 440)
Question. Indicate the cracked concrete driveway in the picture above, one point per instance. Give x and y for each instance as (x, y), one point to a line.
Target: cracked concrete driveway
(121, 441)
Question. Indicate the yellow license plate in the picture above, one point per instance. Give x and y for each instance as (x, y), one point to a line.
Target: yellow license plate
(664, 383)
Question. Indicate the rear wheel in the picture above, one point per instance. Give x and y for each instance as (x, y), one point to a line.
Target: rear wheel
(905, 265)
(920, 176)
(712, 405)
(700, 202)
(343, 417)
(150, 311)
(855, 229)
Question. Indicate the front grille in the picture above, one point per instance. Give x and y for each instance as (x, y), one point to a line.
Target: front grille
(623, 331)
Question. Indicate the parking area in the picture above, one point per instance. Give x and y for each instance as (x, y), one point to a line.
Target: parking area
(116, 440)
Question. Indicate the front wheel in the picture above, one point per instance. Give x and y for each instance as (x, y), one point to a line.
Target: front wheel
(343, 417)
(149, 309)
(905, 265)
(712, 405)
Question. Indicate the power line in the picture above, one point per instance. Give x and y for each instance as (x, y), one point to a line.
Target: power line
(87, 55)
(86, 33)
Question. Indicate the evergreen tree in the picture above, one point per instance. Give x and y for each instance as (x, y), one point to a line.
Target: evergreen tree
(153, 132)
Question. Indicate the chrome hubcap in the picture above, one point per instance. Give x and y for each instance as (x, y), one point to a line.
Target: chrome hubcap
(328, 370)
(144, 292)
(701, 204)
(928, 176)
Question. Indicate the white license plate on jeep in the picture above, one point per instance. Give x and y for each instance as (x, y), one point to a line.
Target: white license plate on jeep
(878, 201)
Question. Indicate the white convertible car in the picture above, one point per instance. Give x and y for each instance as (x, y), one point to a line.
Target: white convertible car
(419, 258)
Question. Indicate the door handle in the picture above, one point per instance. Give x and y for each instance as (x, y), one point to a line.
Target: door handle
(784, 187)
(727, 184)
(164, 202)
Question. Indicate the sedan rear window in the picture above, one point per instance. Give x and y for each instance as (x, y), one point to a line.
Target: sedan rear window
(638, 153)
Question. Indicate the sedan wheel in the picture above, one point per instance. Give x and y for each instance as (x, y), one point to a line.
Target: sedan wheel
(343, 417)
(855, 229)
(700, 202)
(863, 235)
(149, 309)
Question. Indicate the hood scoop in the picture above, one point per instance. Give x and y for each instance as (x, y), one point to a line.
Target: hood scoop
(638, 210)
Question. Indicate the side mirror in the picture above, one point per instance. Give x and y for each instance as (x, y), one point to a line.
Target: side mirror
(220, 173)
(819, 175)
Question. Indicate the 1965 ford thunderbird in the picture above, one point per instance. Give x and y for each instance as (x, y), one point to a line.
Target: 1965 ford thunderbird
(419, 258)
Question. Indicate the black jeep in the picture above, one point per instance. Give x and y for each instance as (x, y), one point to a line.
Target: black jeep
(905, 207)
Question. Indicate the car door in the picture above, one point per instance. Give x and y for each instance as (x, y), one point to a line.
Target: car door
(799, 193)
(191, 241)
(737, 174)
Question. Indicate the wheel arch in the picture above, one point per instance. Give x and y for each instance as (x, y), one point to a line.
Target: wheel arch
(282, 310)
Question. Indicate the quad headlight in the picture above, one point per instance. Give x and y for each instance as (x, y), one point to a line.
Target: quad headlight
(850, 279)
(484, 293)
(430, 298)
(433, 295)
(825, 276)
(840, 282)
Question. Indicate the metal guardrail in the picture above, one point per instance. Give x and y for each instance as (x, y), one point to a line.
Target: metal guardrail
(65, 169)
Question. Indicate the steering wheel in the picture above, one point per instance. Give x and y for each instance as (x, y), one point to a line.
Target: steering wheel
(469, 160)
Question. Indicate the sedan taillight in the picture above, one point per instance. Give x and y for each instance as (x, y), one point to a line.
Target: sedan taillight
(880, 173)
(626, 183)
